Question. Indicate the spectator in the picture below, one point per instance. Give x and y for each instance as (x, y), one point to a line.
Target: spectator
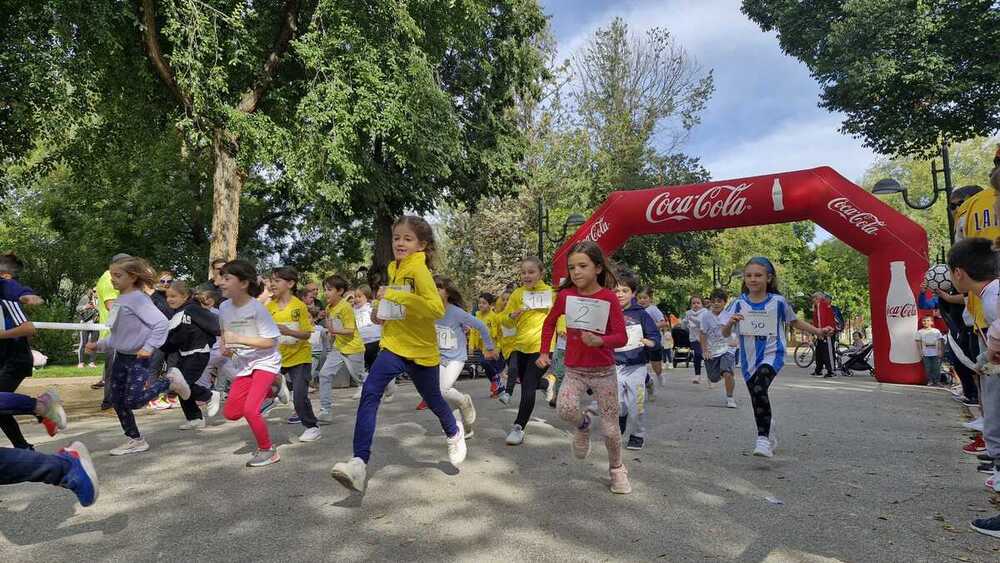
(930, 343)
(86, 308)
(823, 317)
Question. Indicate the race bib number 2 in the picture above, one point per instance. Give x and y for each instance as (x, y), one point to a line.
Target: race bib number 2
(584, 313)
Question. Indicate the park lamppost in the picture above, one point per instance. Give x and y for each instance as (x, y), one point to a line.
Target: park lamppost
(574, 220)
(717, 276)
(888, 186)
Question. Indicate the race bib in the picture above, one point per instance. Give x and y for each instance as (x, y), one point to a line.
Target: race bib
(759, 323)
(363, 319)
(447, 339)
(242, 327)
(507, 332)
(584, 313)
(390, 310)
(289, 340)
(537, 299)
(634, 338)
(335, 324)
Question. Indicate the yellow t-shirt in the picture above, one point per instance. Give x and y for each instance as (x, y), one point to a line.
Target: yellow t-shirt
(343, 314)
(528, 339)
(415, 336)
(475, 340)
(295, 315)
(977, 218)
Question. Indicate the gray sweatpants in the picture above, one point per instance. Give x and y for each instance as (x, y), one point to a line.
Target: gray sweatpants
(989, 398)
(355, 364)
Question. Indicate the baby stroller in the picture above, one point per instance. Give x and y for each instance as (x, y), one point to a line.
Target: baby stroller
(682, 346)
(857, 361)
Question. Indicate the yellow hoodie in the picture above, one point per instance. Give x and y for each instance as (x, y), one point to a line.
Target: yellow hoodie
(476, 341)
(414, 337)
(529, 325)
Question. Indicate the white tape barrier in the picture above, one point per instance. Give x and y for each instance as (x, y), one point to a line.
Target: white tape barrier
(71, 326)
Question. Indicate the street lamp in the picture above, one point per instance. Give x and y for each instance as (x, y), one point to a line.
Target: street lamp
(717, 275)
(889, 186)
(574, 220)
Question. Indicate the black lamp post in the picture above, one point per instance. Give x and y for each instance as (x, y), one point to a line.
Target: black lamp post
(888, 186)
(717, 276)
(574, 220)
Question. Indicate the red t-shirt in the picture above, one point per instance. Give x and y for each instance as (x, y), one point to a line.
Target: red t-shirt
(823, 314)
(578, 354)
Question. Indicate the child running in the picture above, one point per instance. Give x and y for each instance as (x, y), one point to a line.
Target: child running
(719, 359)
(691, 319)
(250, 339)
(371, 332)
(193, 331)
(526, 309)
(293, 320)
(452, 344)
(590, 361)
(408, 308)
(644, 297)
(492, 365)
(70, 468)
(762, 351)
(631, 360)
(505, 335)
(137, 329)
(15, 362)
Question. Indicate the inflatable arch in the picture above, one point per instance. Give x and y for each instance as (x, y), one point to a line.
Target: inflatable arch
(896, 247)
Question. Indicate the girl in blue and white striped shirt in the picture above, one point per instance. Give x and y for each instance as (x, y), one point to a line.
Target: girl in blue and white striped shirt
(762, 354)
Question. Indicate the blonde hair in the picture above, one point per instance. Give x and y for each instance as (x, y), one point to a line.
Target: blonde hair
(181, 287)
(138, 268)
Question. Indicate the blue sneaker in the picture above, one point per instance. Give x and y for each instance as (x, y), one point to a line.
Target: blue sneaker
(267, 406)
(82, 477)
(294, 419)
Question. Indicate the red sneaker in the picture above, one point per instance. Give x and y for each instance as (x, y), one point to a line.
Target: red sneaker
(976, 446)
(422, 406)
(493, 389)
(50, 426)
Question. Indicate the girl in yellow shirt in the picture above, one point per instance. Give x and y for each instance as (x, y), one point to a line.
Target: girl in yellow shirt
(527, 308)
(489, 318)
(407, 309)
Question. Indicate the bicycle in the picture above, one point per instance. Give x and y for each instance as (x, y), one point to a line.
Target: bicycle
(805, 354)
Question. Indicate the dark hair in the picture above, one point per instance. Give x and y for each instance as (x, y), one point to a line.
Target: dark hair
(9, 262)
(606, 278)
(217, 261)
(772, 281)
(488, 297)
(366, 290)
(454, 295)
(243, 271)
(207, 291)
(976, 256)
(335, 282)
(858, 335)
(181, 287)
(718, 293)
(627, 279)
(424, 232)
(287, 273)
(692, 298)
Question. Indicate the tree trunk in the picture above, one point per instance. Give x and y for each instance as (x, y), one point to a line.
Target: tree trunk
(227, 185)
(377, 275)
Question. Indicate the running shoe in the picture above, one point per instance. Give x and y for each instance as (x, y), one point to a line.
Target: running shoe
(550, 391)
(977, 446)
(468, 410)
(504, 398)
(976, 424)
(311, 434)
(763, 447)
(516, 436)
(494, 389)
(133, 446)
(193, 424)
(324, 417)
(730, 403)
(212, 407)
(262, 458)
(986, 467)
(456, 446)
(988, 526)
(53, 416)
(267, 406)
(284, 395)
(422, 405)
(294, 419)
(619, 480)
(635, 443)
(82, 476)
(581, 438)
(351, 474)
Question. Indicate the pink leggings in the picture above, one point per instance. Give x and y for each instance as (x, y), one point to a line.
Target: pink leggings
(604, 383)
(245, 397)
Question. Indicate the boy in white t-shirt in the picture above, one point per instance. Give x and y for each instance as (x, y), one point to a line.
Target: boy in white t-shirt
(930, 342)
(719, 358)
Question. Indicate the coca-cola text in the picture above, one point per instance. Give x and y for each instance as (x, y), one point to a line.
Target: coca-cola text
(868, 223)
(719, 201)
(597, 229)
(901, 311)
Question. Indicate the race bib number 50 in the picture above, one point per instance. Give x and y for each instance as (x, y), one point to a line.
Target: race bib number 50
(759, 323)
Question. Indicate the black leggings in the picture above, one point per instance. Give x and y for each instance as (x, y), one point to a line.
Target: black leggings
(757, 385)
(696, 356)
(87, 336)
(531, 381)
(371, 352)
(11, 376)
(823, 359)
(192, 367)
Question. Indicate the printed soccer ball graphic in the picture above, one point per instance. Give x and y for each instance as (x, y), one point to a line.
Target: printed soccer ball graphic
(938, 277)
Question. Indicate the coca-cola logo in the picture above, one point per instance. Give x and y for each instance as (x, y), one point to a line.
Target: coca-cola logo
(720, 201)
(867, 223)
(901, 311)
(598, 229)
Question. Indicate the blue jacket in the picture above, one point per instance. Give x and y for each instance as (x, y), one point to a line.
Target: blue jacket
(636, 315)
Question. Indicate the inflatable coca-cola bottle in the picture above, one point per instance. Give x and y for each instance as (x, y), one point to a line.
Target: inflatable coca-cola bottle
(901, 316)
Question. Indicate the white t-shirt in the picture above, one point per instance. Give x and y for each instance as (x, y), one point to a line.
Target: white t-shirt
(990, 296)
(711, 327)
(692, 319)
(932, 340)
(657, 315)
(252, 319)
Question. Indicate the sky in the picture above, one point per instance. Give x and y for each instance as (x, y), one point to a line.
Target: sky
(763, 117)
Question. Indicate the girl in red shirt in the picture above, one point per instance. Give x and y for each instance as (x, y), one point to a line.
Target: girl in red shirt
(590, 354)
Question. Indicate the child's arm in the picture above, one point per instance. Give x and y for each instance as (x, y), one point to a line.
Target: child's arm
(806, 327)
(23, 329)
(206, 320)
(484, 333)
(261, 342)
(349, 322)
(150, 316)
(549, 327)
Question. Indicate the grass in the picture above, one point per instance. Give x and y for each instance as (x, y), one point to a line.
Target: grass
(68, 371)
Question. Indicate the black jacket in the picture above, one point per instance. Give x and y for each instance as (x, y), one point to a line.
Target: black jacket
(193, 328)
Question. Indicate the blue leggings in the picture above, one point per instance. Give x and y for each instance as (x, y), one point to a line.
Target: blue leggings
(385, 369)
(21, 466)
(128, 389)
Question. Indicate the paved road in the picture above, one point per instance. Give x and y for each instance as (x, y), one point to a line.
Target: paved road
(867, 472)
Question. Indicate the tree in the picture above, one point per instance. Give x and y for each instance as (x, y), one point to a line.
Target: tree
(907, 74)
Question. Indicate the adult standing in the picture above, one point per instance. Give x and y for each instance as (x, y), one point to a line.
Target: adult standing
(106, 296)
(86, 310)
(823, 317)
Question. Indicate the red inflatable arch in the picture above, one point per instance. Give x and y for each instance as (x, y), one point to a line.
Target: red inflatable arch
(896, 246)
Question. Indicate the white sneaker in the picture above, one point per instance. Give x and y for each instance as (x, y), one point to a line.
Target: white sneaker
(357, 394)
(976, 424)
(351, 474)
(324, 417)
(993, 483)
(390, 392)
(504, 398)
(456, 446)
(730, 403)
(772, 436)
(212, 408)
(468, 411)
(177, 383)
(516, 436)
(311, 435)
(133, 446)
(763, 447)
(284, 395)
(550, 391)
(192, 424)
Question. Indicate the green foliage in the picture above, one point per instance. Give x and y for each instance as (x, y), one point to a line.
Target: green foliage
(58, 345)
(906, 74)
